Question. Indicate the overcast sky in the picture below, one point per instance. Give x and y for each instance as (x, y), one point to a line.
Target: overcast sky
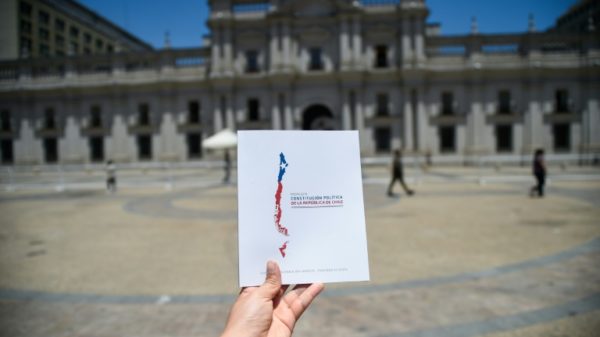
(185, 19)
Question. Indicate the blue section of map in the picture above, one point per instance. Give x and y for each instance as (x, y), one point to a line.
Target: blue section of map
(282, 165)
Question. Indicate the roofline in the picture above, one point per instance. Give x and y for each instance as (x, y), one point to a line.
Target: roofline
(103, 19)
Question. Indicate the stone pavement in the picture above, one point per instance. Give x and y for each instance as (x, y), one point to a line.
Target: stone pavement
(464, 257)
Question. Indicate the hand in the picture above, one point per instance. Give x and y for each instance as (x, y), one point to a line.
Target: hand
(267, 310)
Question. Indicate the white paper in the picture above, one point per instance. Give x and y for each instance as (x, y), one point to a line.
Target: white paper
(320, 235)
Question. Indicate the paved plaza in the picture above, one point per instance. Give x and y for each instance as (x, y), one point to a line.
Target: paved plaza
(469, 255)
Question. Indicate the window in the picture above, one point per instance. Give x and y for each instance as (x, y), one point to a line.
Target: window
(143, 114)
(59, 25)
(59, 41)
(49, 119)
(99, 44)
(504, 138)
(74, 31)
(561, 101)
(253, 106)
(87, 38)
(144, 143)
(251, 61)
(193, 112)
(504, 102)
(383, 140)
(447, 103)
(562, 137)
(6, 149)
(382, 105)
(95, 117)
(109, 48)
(44, 34)
(50, 150)
(96, 149)
(25, 46)
(447, 139)
(25, 27)
(381, 56)
(25, 8)
(44, 49)
(73, 47)
(5, 120)
(316, 62)
(194, 145)
(43, 17)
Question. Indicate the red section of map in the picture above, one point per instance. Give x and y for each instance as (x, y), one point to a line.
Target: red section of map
(280, 228)
(283, 248)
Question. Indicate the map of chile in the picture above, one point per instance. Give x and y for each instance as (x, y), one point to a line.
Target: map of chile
(281, 229)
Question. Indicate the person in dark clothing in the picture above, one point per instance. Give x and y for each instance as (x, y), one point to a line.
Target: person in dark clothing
(111, 177)
(539, 171)
(398, 174)
(227, 167)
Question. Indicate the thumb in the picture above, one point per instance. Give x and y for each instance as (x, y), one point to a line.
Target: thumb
(272, 286)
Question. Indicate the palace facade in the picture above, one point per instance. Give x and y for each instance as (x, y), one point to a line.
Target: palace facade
(374, 66)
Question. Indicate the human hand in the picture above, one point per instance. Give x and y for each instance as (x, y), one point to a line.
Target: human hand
(267, 310)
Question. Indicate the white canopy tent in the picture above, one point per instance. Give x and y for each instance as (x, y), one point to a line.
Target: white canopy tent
(222, 140)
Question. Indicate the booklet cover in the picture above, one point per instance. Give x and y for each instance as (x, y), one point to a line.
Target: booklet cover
(300, 203)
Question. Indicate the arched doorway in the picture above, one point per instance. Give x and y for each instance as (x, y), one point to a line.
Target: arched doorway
(318, 117)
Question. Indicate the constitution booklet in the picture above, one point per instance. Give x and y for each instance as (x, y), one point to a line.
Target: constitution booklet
(300, 203)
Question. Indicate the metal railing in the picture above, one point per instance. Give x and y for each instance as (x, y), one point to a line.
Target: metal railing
(107, 64)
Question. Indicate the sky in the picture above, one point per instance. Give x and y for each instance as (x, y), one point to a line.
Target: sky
(185, 20)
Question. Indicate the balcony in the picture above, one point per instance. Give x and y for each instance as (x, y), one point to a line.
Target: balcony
(563, 117)
(261, 124)
(504, 118)
(447, 119)
(189, 127)
(382, 120)
(142, 129)
(49, 132)
(94, 130)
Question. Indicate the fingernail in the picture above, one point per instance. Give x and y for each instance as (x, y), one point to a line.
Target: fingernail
(270, 267)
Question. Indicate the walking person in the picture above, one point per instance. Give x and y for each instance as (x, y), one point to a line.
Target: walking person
(227, 168)
(398, 174)
(539, 171)
(111, 177)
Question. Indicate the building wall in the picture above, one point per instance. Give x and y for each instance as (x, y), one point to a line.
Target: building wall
(345, 93)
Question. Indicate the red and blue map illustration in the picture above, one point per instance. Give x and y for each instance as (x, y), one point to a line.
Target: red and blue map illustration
(278, 212)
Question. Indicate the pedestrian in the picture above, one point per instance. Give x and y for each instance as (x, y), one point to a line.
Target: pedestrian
(398, 174)
(539, 171)
(227, 167)
(111, 177)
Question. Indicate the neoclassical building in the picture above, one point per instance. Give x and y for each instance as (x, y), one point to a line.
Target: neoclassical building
(373, 65)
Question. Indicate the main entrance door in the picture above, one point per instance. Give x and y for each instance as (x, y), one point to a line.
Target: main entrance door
(318, 117)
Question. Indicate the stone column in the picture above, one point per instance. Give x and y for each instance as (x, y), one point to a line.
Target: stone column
(274, 46)
(533, 123)
(216, 50)
(288, 120)
(407, 52)
(344, 43)
(227, 49)
(346, 113)
(419, 51)
(407, 122)
(275, 114)
(357, 45)
(286, 57)
(217, 112)
(229, 116)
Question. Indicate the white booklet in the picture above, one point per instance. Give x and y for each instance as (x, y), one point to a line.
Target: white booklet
(300, 203)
